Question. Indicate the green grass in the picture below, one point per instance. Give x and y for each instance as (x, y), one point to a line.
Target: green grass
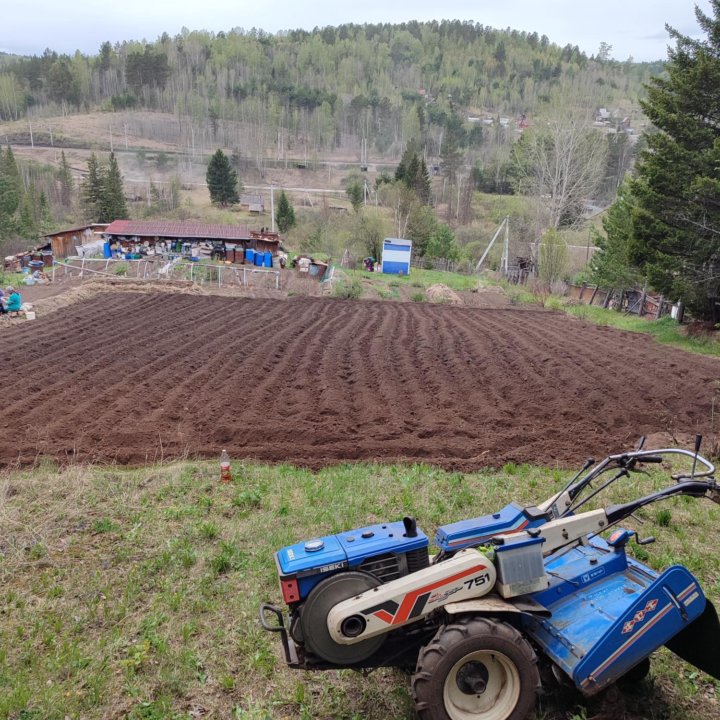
(665, 330)
(135, 592)
(418, 279)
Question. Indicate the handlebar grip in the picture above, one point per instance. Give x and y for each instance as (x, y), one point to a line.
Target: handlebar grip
(651, 459)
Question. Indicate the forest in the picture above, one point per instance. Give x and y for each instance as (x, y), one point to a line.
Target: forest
(460, 93)
(326, 88)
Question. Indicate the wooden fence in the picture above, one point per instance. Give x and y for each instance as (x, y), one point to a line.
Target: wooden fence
(632, 302)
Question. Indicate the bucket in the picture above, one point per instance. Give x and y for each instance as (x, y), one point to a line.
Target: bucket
(249, 256)
(268, 259)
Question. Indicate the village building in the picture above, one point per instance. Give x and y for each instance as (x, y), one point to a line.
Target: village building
(75, 241)
(252, 203)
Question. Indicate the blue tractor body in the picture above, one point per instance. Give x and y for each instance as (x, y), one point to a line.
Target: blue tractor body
(531, 585)
(607, 613)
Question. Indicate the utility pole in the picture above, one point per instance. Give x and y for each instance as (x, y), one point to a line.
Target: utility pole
(272, 206)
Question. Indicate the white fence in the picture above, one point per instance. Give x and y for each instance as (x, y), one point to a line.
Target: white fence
(158, 268)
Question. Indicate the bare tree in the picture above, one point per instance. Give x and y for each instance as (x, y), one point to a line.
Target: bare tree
(562, 162)
(402, 200)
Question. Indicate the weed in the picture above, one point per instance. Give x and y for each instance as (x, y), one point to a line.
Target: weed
(347, 290)
(208, 530)
(247, 499)
(418, 297)
(103, 525)
(663, 517)
(228, 558)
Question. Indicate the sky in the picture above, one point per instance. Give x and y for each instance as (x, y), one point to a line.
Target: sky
(634, 29)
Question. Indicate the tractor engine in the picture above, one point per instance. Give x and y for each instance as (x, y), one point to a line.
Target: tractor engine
(317, 574)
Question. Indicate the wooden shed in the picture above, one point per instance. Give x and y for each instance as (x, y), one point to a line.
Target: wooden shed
(64, 242)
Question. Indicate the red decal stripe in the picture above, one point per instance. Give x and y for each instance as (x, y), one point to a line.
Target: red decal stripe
(409, 600)
(385, 616)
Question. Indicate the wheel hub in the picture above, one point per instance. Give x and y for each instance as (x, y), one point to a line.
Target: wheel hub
(472, 678)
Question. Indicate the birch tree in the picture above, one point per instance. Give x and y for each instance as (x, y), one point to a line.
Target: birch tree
(562, 163)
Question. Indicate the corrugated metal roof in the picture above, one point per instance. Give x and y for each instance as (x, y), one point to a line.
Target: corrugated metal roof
(71, 230)
(159, 228)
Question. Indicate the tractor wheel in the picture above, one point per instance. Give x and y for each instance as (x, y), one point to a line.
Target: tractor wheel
(476, 669)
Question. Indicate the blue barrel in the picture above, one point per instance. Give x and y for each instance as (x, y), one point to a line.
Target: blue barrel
(106, 249)
(249, 255)
(268, 259)
(259, 258)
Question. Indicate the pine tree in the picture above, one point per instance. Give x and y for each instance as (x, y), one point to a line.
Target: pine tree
(10, 193)
(222, 181)
(356, 192)
(66, 182)
(91, 189)
(284, 215)
(112, 201)
(413, 172)
(676, 193)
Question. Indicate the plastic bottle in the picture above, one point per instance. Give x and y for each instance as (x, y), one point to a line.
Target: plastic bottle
(225, 467)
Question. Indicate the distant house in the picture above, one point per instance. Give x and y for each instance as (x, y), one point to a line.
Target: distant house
(252, 203)
(265, 240)
(65, 243)
(602, 116)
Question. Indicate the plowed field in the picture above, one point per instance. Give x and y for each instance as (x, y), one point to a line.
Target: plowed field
(134, 378)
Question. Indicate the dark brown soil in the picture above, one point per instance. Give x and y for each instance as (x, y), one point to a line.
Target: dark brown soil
(137, 378)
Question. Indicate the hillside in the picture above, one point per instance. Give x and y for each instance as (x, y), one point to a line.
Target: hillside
(355, 88)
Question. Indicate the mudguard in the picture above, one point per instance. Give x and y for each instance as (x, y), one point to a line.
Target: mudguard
(699, 642)
(665, 609)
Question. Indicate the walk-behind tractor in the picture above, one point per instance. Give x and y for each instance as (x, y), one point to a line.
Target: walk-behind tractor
(525, 593)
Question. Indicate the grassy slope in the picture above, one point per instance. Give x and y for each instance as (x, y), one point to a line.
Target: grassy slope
(134, 593)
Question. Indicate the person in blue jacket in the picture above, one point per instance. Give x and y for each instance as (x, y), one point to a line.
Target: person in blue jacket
(12, 301)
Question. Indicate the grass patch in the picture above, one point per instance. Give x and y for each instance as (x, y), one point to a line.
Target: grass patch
(665, 330)
(417, 278)
(135, 593)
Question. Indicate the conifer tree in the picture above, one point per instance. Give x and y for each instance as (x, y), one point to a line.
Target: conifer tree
(284, 215)
(112, 200)
(676, 192)
(10, 193)
(222, 180)
(66, 182)
(91, 190)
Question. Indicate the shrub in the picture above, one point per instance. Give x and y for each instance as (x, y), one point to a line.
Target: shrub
(347, 290)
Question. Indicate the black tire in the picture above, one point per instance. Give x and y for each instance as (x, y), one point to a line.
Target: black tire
(476, 669)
